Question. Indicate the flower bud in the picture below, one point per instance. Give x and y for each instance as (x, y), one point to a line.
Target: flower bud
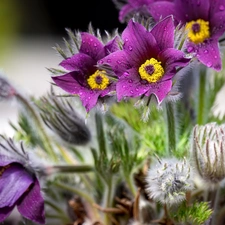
(61, 118)
(208, 146)
(169, 180)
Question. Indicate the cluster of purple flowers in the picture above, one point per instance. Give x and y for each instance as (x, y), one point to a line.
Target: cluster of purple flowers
(142, 62)
(144, 65)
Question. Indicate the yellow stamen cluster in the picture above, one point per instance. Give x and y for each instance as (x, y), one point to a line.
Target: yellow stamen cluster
(157, 73)
(94, 84)
(203, 32)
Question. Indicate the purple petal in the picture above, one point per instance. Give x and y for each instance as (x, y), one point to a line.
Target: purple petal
(78, 61)
(207, 53)
(14, 181)
(131, 85)
(89, 99)
(162, 9)
(70, 82)
(192, 9)
(117, 61)
(31, 205)
(217, 18)
(126, 10)
(91, 46)
(110, 88)
(164, 33)
(139, 44)
(112, 46)
(172, 58)
(134, 6)
(160, 90)
(4, 212)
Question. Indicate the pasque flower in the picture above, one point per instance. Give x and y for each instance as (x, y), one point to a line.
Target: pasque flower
(83, 78)
(204, 21)
(19, 185)
(148, 61)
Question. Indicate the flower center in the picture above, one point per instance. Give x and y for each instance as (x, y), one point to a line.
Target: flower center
(198, 30)
(151, 70)
(98, 80)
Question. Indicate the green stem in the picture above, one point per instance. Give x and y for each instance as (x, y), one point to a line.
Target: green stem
(130, 184)
(73, 168)
(81, 194)
(58, 209)
(47, 145)
(108, 201)
(201, 96)
(171, 126)
(215, 206)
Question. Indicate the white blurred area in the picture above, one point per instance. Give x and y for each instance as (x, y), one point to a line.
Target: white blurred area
(25, 65)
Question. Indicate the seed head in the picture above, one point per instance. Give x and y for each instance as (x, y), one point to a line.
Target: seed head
(169, 180)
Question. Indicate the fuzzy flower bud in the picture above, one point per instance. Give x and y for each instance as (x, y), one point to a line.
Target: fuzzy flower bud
(208, 146)
(61, 118)
(169, 180)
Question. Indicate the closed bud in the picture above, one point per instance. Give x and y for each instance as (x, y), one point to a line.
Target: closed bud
(208, 146)
(59, 115)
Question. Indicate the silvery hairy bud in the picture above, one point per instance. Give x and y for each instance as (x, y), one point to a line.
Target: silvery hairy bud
(208, 149)
(59, 115)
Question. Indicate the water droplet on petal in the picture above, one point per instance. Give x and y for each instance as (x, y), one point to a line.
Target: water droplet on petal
(91, 39)
(209, 64)
(131, 92)
(118, 61)
(189, 49)
(126, 74)
(123, 86)
(130, 81)
(95, 44)
(215, 56)
(101, 61)
(126, 39)
(137, 89)
(89, 97)
(221, 7)
(108, 60)
(130, 48)
(205, 51)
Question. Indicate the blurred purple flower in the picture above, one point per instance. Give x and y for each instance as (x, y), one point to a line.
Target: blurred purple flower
(19, 187)
(132, 7)
(148, 61)
(204, 21)
(84, 79)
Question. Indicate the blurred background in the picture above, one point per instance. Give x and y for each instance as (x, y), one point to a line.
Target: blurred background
(30, 29)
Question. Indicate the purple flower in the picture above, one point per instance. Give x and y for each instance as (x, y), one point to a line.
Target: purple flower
(134, 6)
(148, 61)
(84, 79)
(205, 22)
(19, 187)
